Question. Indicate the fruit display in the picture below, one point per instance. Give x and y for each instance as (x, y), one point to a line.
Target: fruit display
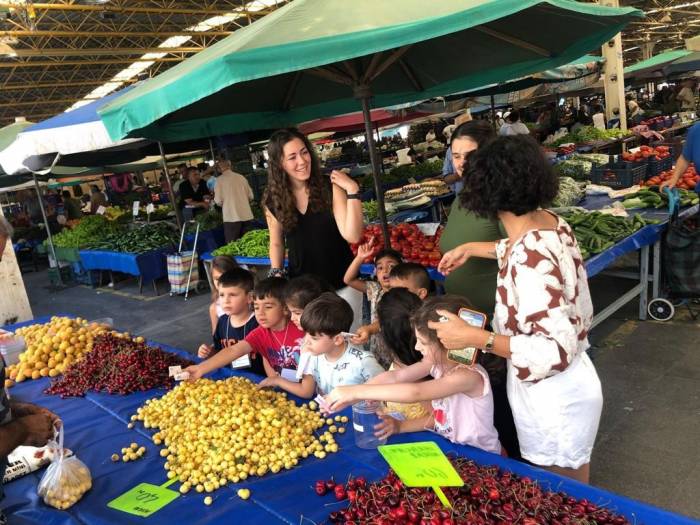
(596, 231)
(407, 239)
(53, 347)
(688, 180)
(216, 432)
(570, 192)
(566, 149)
(65, 481)
(651, 198)
(130, 453)
(489, 496)
(117, 365)
(646, 152)
(88, 231)
(255, 243)
(115, 213)
(139, 239)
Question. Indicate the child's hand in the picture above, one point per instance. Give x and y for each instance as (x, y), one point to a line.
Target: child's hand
(269, 382)
(204, 351)
(388, 427)
(365, 250)
(362, 335)
(341, 397)
(194, 371)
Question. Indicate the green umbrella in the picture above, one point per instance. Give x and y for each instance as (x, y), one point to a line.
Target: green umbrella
(652, 67)
(317, 58)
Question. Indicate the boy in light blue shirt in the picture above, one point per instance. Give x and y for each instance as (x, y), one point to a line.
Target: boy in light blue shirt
(328, 359)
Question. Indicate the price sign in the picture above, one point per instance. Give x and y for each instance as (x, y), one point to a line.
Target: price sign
(150, 208)
(429, 228)
(137, 206)
(101, 210)
(422, 464)
(144, 499)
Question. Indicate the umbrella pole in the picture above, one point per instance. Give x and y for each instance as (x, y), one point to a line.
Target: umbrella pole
(493, 113)
(211, 150)
(371, 147)
(48, 230)
(178, 218)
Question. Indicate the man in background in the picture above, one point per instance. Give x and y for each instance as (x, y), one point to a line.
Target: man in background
(233, 194)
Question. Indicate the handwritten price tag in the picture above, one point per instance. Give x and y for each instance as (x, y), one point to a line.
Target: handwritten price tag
(144, 499)
(150, 208)
(422, 464)
(136, 207)
(101, 210)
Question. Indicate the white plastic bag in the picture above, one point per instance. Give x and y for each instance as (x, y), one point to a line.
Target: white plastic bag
(24, 460)
(66, 479)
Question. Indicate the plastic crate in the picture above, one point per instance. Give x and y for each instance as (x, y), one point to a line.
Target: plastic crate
(656, 166)
(619, 175)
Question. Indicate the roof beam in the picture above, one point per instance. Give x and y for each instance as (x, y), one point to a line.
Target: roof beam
(108, 34)
(28, 86)
(102, 51)
(143, 9)
(40, 102)
(73, 63)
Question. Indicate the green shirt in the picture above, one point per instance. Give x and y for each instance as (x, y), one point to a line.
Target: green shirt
(475, 279)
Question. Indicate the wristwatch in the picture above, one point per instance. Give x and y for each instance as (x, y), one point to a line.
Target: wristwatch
(353, 196)
(489, 342)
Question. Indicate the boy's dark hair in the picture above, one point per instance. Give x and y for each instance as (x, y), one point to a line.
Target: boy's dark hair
(301, 290)
(390, 253)
(239, 277)
(327, 315)
(414, 271)
(394, 312)
(508, 174)
(479, 131)
(270, 287)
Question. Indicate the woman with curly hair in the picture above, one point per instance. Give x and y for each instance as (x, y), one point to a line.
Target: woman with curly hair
(543, 306)
(314, 217)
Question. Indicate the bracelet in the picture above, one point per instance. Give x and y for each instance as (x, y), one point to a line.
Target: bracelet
(277, 272)
(489, 342)
(353, 196)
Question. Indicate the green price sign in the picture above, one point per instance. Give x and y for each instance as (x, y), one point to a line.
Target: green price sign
(422, 465)
(144, 499)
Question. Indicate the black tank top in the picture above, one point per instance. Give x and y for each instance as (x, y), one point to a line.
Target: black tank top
(316, 247)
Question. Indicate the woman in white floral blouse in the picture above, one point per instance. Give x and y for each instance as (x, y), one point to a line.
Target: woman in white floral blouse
(543, 306)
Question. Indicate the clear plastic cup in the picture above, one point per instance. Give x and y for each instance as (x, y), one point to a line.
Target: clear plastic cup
(364, 417)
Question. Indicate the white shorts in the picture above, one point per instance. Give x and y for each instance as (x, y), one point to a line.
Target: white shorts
(557, 418)
(354, 298)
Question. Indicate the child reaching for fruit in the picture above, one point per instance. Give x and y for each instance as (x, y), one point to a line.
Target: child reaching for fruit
(277, 340)
(327, 359)
(461, 398)
(235, 289)
(384, 261)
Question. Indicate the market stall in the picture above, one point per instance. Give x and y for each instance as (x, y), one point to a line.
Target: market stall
(97, 425)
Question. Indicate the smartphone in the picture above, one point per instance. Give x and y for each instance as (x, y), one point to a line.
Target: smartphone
(468, 356)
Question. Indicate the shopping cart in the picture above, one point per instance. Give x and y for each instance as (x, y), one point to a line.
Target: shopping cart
(681, 264)
(183, 267)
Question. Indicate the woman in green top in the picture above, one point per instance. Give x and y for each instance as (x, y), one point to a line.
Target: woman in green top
(476, 279)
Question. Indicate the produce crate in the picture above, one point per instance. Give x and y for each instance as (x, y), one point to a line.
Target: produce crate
(618, 175)
(83, 276)
(656, 166)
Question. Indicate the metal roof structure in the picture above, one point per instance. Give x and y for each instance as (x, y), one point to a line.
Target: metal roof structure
(55, 54)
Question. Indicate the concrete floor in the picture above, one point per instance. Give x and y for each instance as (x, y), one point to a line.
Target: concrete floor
(647, 445)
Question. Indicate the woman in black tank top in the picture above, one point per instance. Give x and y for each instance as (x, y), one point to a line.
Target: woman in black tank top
(313, 217)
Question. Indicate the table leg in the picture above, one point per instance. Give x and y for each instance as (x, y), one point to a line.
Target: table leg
(656, 275)
(644, 282)
(207, 270)
(140, 285)
(155, 286)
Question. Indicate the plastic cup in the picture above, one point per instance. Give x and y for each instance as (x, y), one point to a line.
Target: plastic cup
(10, 350)
(364, 417)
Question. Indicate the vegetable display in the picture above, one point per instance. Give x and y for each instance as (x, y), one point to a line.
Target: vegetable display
(574, 168)
(117, 365)
(255, 243)
(646, 152)
(207, 221)
(216, 432)
(140, 239)
(587, 134)
(407, 239)
(651, 198)
(570, 192)
(489, 496)
(688, 180)
(404, 173)
(88, 231)
(596, 232)
(370, 210)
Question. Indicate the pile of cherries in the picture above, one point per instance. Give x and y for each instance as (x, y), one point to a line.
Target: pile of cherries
(489, 496)
(117, 365)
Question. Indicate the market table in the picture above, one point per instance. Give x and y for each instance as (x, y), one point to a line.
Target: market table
(148, 266)
(96, 428)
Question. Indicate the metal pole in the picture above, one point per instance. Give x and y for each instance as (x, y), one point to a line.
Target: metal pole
(48, 230)
(178, 217)
(211, 150)
(364, 94)
(493, 113)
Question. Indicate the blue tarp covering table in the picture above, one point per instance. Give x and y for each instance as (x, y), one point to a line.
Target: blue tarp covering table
(208, 241)
(96, 428)
(148, 266)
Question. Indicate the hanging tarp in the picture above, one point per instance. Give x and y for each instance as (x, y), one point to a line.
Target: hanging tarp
(277, 71)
